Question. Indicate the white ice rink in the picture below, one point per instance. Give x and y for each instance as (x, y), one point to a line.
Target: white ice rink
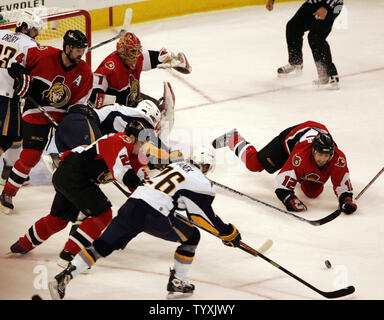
(234, 55)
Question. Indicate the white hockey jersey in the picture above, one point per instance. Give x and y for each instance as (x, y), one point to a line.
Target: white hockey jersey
(13, 48)
(182, 186)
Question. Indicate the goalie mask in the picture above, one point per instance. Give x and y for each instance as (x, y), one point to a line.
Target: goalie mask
(151, 110)
(129, 49)
(203, 158)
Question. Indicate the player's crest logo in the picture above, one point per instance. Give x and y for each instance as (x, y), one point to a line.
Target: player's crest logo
(126, 139)
(340, 162)
(58, 94)
(41, 47)
(312, 177)
(296, 160)
(110, 65)
(135, 90)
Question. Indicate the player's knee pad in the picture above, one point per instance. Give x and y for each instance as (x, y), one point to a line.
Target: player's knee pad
(194, 239)
(30, 157)
(312, 189)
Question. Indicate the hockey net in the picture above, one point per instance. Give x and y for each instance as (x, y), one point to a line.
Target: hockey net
(56, 22)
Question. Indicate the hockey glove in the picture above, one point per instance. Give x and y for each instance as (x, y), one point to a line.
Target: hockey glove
(232, 237)
(22, 79)
(348, 206)
(178, 62)
(292, 203)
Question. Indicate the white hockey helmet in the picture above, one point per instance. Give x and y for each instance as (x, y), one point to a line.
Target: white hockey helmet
(31, 19)
(150, 109)
(203, 158)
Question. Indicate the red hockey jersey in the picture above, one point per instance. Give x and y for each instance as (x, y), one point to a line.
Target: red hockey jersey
(55, 87)
(109, 158)
(114, 78)
(301, 166)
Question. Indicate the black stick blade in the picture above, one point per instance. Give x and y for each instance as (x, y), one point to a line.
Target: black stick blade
(326, 219)
(339, 293)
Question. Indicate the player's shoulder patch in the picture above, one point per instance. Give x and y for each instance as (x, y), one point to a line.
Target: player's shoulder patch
(39, 47)
(296, 160)
(125, 138)
(340, 162)
(110, 65)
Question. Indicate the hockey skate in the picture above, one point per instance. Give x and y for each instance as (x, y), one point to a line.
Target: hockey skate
(51, 161)
(59, 283)
(5, 174)
(290, 70)
(178, 288)
(330, 83)
(6, 205)
(65, 259)
(17, 248)
(223, 141)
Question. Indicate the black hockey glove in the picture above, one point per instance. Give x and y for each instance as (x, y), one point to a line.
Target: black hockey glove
(231, 237)
(22, 79)
(292, 203)
(85, 110)
(346, 204)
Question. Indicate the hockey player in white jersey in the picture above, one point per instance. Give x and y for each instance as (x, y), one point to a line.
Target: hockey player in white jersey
(151, 209)
(13, 47)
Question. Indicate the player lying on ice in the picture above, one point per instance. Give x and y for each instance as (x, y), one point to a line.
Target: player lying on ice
(151, 209)
(304, 154)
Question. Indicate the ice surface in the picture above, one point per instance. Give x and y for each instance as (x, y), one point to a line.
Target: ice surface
(234, 55)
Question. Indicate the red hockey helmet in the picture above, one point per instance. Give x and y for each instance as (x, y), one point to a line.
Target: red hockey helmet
(129, 49)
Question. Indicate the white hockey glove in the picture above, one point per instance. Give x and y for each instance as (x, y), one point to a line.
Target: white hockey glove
(178, 62)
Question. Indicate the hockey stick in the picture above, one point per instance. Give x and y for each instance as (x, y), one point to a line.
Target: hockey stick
(124, 28)
(369, 184)
(263, 248)
(327, 294)
(319, 222)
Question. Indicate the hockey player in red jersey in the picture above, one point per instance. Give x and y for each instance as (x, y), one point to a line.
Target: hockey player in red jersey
(78, 195)
(304, 154)
(60, 81)
(119, 73)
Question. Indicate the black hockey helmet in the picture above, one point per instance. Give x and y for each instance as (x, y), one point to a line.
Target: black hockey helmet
(140, 132)
(323, 143)
(75, 39)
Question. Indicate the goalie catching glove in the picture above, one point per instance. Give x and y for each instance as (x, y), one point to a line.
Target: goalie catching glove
(22, 79)
(232, 237)
(178, 62)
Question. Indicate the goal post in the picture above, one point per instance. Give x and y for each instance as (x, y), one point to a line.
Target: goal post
(56, 23)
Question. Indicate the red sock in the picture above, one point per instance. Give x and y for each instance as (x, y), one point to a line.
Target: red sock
(27, 160)
(89, 230)
(41, 230)
(246, 152)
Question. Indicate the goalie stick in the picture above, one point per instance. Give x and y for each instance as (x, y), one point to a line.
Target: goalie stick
(124, 29)
(258, 253)
(318, 222)
(369, 184)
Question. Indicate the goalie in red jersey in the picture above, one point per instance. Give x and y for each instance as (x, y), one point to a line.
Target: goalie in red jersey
(304, 154)
(59, 80)
(119, 73)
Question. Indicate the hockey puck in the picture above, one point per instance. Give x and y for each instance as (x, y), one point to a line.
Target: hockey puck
(36, 297)
(328, 264)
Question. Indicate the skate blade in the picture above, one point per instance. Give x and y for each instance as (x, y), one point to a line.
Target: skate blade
(5, 210)
(289, 75)
(178, 295)
(52, 286)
